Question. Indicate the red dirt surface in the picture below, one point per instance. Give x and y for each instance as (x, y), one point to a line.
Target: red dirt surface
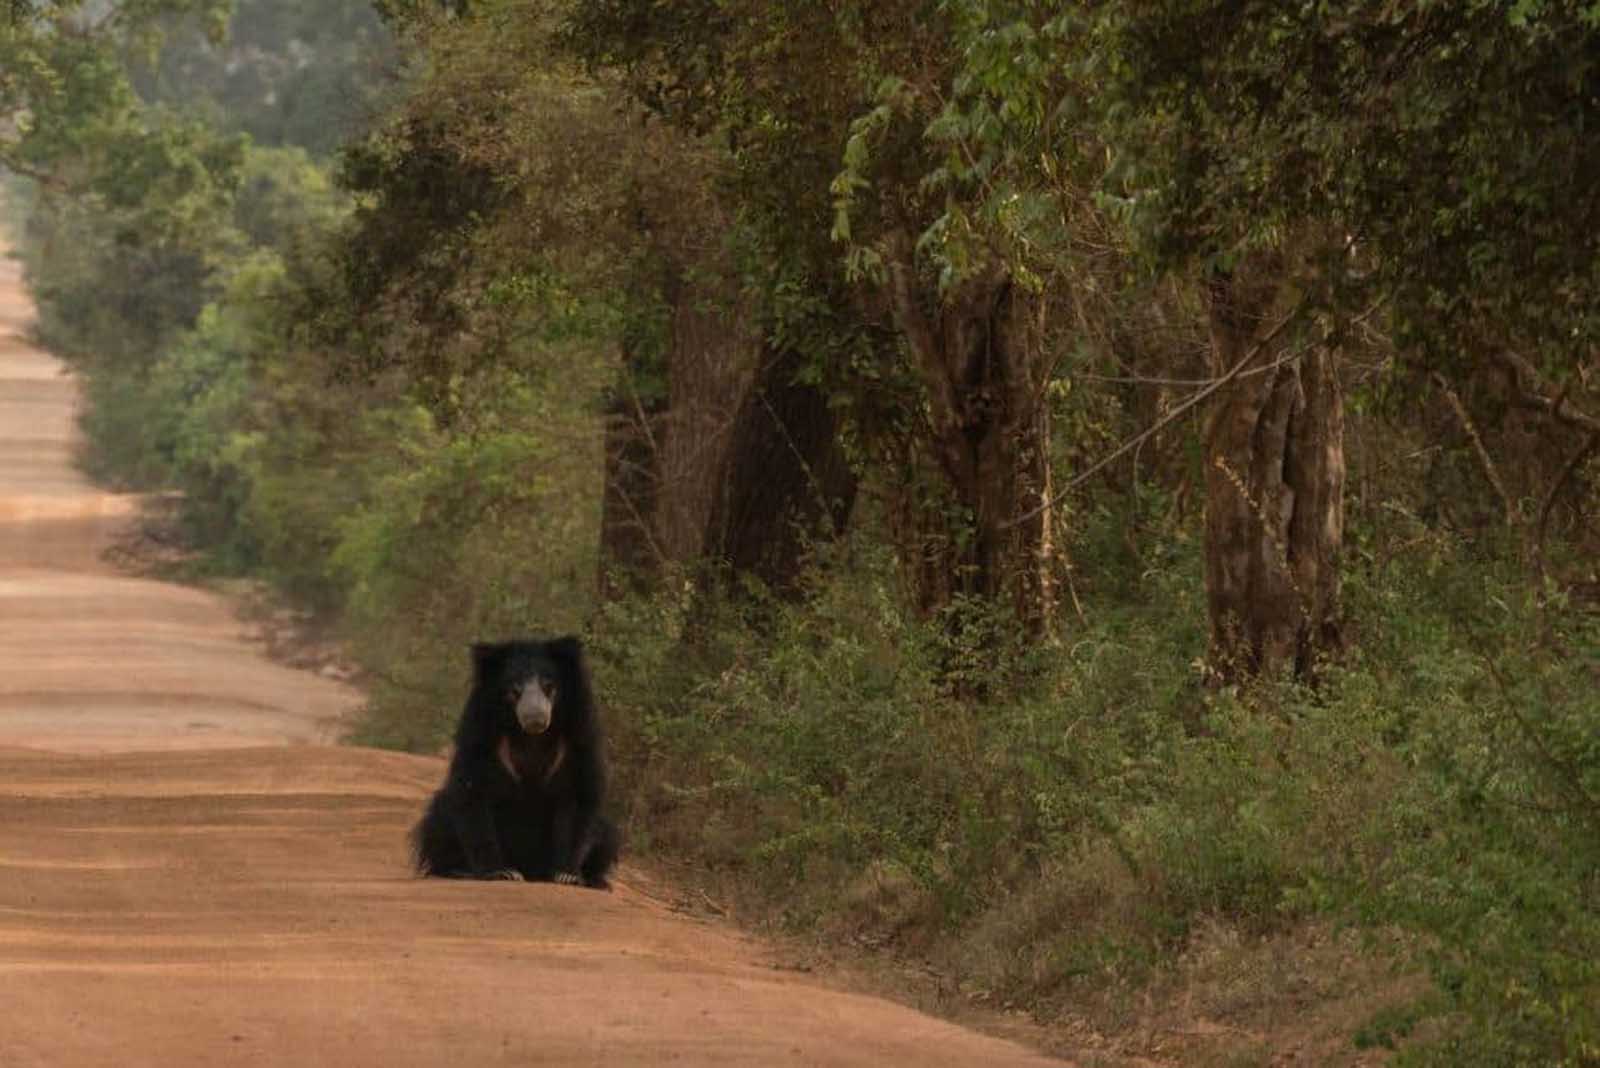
(192, 874)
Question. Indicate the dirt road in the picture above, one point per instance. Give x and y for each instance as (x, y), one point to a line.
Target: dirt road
(190, 874)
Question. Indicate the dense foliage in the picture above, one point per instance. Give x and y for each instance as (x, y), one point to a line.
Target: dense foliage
(1090, 497)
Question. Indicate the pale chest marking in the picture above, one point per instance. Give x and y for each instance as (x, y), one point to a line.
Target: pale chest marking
(506, 761)
(509, 762)
(556, 762)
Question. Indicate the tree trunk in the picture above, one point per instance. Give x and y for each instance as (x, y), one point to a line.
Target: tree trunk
(667, 429)
(786, 478)
(715, 351)
(629, 555)
(985, 374)
(1274, 451)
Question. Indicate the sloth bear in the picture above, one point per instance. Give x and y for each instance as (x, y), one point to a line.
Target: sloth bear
(523, 794)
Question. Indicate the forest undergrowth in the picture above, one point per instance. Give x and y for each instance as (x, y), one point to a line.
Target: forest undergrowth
(1405, 852)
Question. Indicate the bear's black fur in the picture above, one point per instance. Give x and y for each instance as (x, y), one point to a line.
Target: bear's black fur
(516, 804)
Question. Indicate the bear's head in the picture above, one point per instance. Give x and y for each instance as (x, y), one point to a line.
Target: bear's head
(523, 680)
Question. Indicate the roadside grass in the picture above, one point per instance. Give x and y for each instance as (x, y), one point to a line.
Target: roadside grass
(1399, 863)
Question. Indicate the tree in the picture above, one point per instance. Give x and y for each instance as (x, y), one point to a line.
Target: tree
(1274, 468)
(517, 216)
(311, 73)
(133, 205)
(788, 86)
(786, 480)
(63, 85)
(1207, 192)
(1433, 160)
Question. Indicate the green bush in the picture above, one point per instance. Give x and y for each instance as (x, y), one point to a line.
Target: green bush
(836, 737)
(462, 537)
(1077, 828)
(1491, 846)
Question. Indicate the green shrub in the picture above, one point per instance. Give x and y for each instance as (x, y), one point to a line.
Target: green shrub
(1491, 846)
(464, 537)
(1080, 826)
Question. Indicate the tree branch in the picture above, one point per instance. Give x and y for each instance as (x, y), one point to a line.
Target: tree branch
(1139, 439)
(1522, 371)
(1573, 465)
(1490, 471)
(919, 332)
(47, 179)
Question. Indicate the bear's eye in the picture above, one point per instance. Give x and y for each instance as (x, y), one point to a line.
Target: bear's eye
(548, 685)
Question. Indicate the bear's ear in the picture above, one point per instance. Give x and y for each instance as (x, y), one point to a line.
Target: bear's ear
(568, 649)
(484, 654)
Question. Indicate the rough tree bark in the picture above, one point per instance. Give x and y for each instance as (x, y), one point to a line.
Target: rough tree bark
(629, 555)
(984, 371)
(666, 448)
(715, 351)
(785, 477)
(1275, 470)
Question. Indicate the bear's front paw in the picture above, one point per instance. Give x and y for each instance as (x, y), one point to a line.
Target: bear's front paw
(566, 878)
(509, 875)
